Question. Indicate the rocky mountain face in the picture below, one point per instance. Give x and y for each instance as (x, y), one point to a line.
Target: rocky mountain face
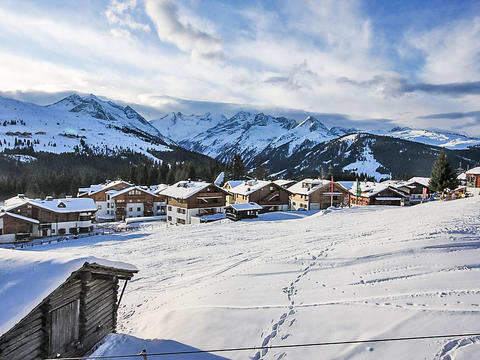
(288, 148)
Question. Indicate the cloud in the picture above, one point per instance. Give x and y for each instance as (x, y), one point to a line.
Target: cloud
(454, 115)
(394, 85)
(187, 37)
(117, 14)
(451, 51)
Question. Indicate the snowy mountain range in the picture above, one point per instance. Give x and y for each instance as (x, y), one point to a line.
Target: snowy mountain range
(285, 146)
(74, 123)
(288, 147)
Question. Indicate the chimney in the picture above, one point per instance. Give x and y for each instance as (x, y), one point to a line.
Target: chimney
(21, 196)
(49, 198)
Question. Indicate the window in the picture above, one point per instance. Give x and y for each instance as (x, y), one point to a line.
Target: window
(169, 218)
(130, 209)
(53, 231)
(99, 207)
(180, 221)
(139, 209)
(181, 211)
(61, 231)
(169, 208)
(158, 207)
(108, 205)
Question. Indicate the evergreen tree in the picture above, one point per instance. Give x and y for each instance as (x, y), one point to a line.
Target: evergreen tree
(153, 175)
(237, 168)
(442, 176)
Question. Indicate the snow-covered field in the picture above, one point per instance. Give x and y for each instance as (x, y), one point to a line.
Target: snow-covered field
(359, 273)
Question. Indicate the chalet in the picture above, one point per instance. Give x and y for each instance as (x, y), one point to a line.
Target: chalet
(473, 177)
(417, 188)
(371, 193)
(316, 194)
(190, 201)
(55, 306)
(270, 196)
(22, 217)
(135, 201)
(102, 200)
(230, 185)
(237, 212)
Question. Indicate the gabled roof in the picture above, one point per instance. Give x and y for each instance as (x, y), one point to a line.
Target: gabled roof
(157, 189)
(13, 203)
(66, 205)
(308, 186)
(93, 189)
(474, 171)
(250, 186)
(233, 183)
(186, 189)
(283, 182)
(123, 191)
(28, 277)
(420, 180)
(245, 206)
(24, 218)
(370, 189)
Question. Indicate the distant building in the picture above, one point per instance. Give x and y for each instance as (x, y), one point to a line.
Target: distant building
(237, 212)
(316, 194)
(119, 200)
(270, 196)
(21, 217)
(69, 308)
(193, 202)
(417, 188)
(102, 200)
(372, 193)
(473, 177)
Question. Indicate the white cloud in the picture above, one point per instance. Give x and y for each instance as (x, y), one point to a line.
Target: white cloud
(117, 13)
(184, 35)
(452, 52)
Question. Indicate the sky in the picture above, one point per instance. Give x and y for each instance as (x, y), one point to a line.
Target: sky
(356, 63)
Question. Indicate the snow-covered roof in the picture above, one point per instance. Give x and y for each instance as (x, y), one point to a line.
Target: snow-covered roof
(248, 187)
(283, 182)
(370, 188)
(421, 180)
(93, 189)
(159, 188)
(245, 206)
(185, 189)
(66, 205)
(219, 180)
(233, 183)
(474, 171)
(123, 191)
(462, 176)
(308, 186)
(28, 277)
(21, 217)
(13, 202)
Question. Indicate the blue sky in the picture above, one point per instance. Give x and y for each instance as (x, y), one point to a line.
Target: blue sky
(411, 63)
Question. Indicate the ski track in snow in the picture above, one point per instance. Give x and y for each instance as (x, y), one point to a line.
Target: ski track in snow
(358, 273)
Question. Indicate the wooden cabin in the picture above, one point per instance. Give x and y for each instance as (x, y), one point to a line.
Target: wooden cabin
(194, 201)
(316, 194)
(237, 212)
(17, 227)
(70, 320)
(270, 196)
(378, 194)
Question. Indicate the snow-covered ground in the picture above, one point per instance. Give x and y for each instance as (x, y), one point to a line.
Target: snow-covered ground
(358, 273)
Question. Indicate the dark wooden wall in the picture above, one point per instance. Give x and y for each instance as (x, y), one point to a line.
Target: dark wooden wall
(70, 321)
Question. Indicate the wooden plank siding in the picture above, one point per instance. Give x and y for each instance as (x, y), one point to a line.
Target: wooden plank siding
(270, 195)
(122, 201)
(195, 201)
(71, 320)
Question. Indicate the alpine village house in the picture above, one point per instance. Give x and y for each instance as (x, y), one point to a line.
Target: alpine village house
(316, 194)
(270, 196)
(21, 217)
(194, 202)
